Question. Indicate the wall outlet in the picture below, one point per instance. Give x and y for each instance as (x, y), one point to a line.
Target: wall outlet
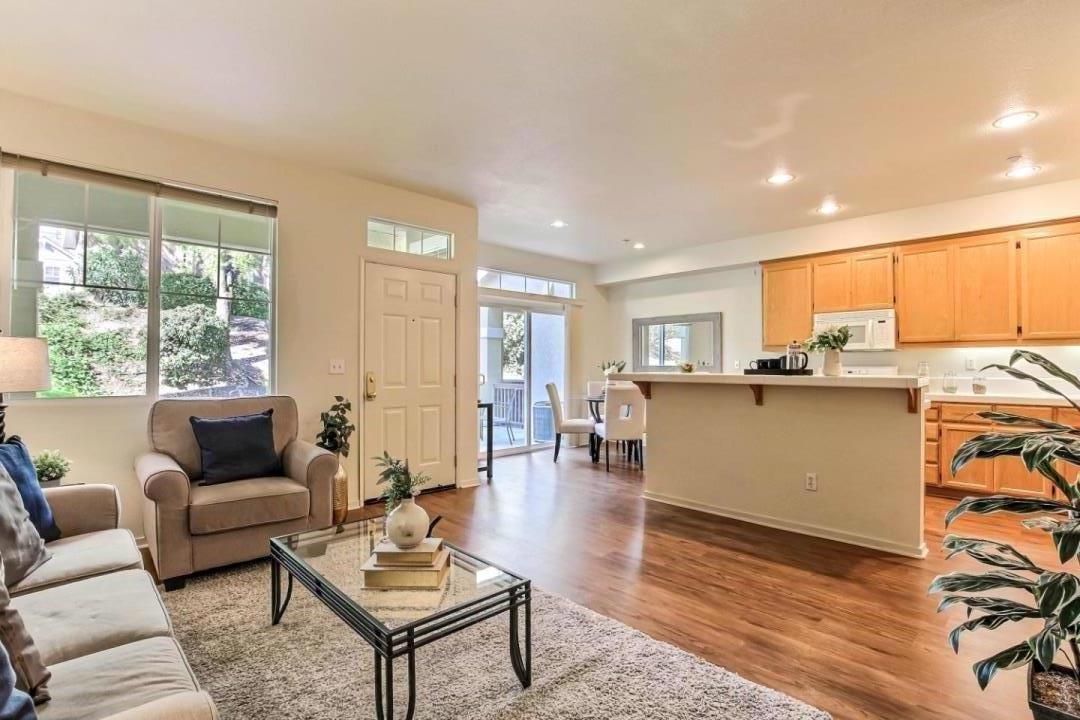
(736, 364)
(337, 366)
(811, 482)
(969, 363)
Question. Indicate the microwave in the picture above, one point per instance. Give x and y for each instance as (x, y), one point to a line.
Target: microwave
(870, 329)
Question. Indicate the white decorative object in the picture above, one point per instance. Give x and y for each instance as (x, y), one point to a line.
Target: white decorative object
(832, 367)
(407, 524)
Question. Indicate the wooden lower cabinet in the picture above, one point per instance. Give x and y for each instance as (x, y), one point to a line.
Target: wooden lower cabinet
(1012, 478)
(976, 475)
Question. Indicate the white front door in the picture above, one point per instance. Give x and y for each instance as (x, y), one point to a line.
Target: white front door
(408, 379)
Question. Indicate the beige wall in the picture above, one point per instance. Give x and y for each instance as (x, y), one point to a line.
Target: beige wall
(321, 244)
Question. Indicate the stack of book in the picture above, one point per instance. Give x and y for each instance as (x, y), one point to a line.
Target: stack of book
(392, 568)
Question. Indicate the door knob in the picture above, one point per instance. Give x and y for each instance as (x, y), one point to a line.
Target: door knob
(370, 391)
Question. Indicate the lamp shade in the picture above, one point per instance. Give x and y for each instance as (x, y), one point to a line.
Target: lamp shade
(24, 364)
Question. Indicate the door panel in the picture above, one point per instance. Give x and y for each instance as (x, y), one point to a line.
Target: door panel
(872, 280)
(925, 274)
(786, 288)
(976, 475)
(409, 342)
(1049, 266)
(832, 284)
(986, 306)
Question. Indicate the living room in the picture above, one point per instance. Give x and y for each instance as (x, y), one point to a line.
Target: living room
(328, 335)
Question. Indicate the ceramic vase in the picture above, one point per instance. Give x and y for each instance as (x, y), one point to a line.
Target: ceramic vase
(341, 494)
(832, 366)
(407, 524)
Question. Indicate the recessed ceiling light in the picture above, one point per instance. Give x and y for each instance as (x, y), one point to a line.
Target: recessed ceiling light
(1015, 119)
(639, 246)
(828, 207)
(780, 177)
(1021, 168)
(558, 223)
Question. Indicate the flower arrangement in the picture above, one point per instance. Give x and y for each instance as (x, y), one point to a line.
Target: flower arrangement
(610, 367)
(831, 338)
(400, 482)
(51, 465)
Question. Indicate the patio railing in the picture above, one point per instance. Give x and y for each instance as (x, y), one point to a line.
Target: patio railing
(509, 403)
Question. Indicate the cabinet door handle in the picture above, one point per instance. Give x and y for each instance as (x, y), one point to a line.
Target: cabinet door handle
(370, 386)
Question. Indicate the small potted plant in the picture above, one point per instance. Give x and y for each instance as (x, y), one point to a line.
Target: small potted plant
(831, 341)
(51, 467)
(1054, 602)
(406, 522)
(610, 367)
(334, 436)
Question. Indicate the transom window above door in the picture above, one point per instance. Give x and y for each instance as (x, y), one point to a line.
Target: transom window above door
(388, 235)
(531, 284)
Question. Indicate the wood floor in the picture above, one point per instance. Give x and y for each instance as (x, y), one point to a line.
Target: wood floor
(849, 630)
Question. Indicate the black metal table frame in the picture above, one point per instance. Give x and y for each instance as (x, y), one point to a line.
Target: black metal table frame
(401, 641)
(489, 416)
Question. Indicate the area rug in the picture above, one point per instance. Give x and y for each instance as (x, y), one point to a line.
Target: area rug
(312, 666)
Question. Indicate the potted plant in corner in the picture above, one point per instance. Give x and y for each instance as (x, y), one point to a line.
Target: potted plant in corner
(1054, 603)
(407, 523)
(334, 436)
(51, 467)
(831, 341)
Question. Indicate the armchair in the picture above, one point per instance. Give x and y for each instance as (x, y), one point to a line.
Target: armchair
(191, 527)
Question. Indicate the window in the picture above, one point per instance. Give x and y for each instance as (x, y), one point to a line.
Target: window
(388, 235)
(198, 323)
(516, 282)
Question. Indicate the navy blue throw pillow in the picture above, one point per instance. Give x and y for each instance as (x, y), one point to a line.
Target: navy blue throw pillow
(234, 448)
(16, 460)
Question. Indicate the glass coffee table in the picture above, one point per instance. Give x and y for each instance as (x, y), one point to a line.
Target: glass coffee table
(397, 622)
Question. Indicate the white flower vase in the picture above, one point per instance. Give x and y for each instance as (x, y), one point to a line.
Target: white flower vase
(407, 524)
(832, 367)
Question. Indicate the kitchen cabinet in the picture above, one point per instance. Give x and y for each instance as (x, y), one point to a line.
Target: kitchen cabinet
(1011, 476)
(872, 279)
(787, 300)
(925, 276)
(1049, 267)
(986, 282)
(976, 475)
(832, 283)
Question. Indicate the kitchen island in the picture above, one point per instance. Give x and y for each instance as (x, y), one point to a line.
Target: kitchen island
(833, 457)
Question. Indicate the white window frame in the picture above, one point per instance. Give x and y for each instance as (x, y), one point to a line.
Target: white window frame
(450, 244)
(526, 277)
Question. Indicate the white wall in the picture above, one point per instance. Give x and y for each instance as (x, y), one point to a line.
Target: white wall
(321, 245)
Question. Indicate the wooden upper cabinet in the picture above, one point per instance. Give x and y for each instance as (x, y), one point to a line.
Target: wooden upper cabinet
(986, 288)
(872, 279)
(925, 275)
(832, 283)
(1049, 268)
(787, 296)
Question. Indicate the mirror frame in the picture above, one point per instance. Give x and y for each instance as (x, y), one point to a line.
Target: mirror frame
(638, 324)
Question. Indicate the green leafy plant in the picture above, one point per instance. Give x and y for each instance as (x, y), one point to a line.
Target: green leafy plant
(400, 482)
(609, 367)
(51, 465)
(194, 346)
(336, 428)
(1055, 593)
(250, 299)
(831, 338)
(180, 289)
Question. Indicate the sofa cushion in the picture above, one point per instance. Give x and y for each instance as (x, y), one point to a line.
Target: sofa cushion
(170, 430)
(15, 458)
(107, 682)
(83, 556)
(244, 503)
(21, 546)
(236, 448)
(94, 614)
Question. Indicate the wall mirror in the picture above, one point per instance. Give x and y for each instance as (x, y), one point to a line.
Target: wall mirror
(662, 344)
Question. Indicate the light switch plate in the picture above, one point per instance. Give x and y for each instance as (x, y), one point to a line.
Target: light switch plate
(337, 366)
(969, 363)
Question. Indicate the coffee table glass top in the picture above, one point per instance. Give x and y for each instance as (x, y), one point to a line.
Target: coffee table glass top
(336, 554)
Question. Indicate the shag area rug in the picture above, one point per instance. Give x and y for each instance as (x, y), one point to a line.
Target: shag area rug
(313, 666)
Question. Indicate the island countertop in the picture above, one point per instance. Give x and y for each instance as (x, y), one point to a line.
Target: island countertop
(898, 382)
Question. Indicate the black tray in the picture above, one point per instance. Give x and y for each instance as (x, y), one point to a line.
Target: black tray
(764, 371)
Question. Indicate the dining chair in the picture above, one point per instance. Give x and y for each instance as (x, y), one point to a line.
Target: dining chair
(624, 419)
(594, 388)
(572, 426)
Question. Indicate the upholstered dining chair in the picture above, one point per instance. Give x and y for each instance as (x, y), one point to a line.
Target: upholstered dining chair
(574, 426)
(624, 419)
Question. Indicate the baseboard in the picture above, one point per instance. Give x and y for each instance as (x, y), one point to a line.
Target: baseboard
(469, 482)
(919, 551)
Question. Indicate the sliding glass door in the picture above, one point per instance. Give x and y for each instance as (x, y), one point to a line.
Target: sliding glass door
(522, 349)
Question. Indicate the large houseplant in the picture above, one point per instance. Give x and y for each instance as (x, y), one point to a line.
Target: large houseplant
(334, 436)
(1054, 690)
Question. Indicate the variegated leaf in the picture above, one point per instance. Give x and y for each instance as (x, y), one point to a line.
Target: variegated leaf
(1044, 644)
(1005, 503)
(989, 622)
(989, 552)
(1007, 659)
(1050, 367)
(1041, 384)
(971, 582)
(987, 604)
(1054, 590)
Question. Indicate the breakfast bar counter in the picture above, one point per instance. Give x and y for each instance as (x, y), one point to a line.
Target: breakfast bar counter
(833, 457)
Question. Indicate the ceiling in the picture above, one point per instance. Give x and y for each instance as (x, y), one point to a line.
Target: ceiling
(645, 119)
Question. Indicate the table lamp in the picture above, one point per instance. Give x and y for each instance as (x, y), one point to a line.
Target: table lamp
(24, 367)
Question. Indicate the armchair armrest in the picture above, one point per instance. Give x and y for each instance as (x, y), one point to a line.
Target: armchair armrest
(80, 509)
(181, 706)
(307, 463)
(162, 479)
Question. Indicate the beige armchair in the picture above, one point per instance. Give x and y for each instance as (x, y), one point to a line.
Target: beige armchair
(191, 527)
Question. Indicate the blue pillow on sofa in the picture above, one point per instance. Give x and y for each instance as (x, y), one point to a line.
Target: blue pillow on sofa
(235, 448)
(16, 460)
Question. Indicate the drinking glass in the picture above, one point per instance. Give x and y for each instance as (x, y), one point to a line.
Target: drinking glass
(948, 382)
(924, 369)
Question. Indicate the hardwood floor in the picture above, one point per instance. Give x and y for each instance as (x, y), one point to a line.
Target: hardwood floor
(849, 630)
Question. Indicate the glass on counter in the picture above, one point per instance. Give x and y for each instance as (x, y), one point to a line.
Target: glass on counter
(923, 369)
(978, 384)
(948, 382)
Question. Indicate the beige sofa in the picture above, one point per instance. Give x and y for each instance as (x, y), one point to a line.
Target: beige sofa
(99, 624)
(191, 527)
